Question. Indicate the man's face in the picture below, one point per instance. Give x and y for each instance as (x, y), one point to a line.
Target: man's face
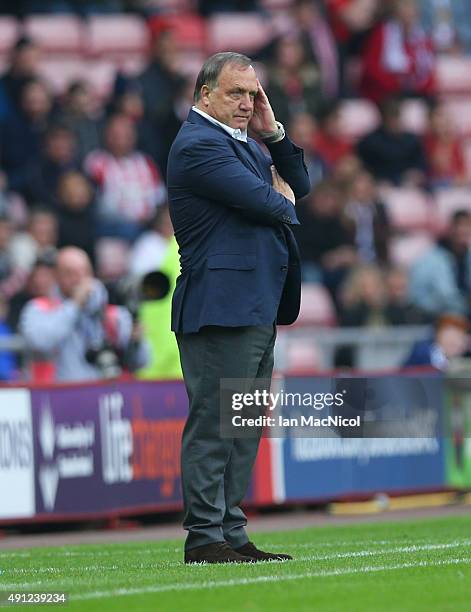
(232, 101)
(70, 272)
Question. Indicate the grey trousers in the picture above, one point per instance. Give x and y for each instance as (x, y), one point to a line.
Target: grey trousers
(216, 471)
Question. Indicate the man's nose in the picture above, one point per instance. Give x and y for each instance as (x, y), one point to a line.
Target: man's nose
(246, 102)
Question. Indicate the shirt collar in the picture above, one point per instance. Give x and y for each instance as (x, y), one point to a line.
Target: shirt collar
(234, 132)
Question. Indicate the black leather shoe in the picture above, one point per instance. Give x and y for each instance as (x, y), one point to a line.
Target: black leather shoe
(220, 552)
(250, 550)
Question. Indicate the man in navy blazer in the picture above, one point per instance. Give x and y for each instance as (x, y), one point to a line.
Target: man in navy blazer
(231, 205)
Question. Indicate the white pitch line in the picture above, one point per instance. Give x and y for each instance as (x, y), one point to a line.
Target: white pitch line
(149, 566)
(212, 584)
(158, 550)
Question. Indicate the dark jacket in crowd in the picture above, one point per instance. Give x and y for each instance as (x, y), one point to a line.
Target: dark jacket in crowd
(388, 156)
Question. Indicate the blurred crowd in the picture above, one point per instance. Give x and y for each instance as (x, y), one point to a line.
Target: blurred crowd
(80, 171)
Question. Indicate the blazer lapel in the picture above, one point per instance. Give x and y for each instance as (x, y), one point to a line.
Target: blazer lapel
(243, 149)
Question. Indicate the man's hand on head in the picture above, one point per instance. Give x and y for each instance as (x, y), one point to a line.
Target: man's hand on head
(263, 120)
(282, 186)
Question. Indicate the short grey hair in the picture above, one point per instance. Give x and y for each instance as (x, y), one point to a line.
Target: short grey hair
(212, 67)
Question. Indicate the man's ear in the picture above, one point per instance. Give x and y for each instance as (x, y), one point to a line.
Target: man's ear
(205, 91)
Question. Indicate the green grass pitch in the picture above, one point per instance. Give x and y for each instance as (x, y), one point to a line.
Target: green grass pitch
(397, 566)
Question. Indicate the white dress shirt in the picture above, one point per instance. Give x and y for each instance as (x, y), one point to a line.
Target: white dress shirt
(234, 132)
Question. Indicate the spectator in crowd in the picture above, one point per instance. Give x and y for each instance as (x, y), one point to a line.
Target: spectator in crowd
(441, 279)
(12, 277)
(390, 153)
(40, 237)
(374, 296)
(76, 213)
(449, 341)
(39, 283)
(129, 103)
(399, 309)
(369, 298)
(79, 332)
(24, 61)
(129, 184)
(150, 249)
(294, 83)
(306, 22)
(364, 297)
(161, 80)
(326, 246)
(21, 136)
(302, 130)
(78, 112)
(350, 21)
(170, 123)
(444, 151)
(368, 219)
(58, 157)
(398, 57)
(7, 359)
(329, 142)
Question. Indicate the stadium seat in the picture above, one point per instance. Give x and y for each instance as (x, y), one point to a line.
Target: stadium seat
(302, 355)
(56, 33)
(414, 116)
(459, 110)
(243, 32)
(450, 200)
(405, 250)
(61, 72)
(409, 209)
(8, 33)
(189, 29)
(454, 74)
(467, 159)
(358, 117)
(317, 307)
(116, 34)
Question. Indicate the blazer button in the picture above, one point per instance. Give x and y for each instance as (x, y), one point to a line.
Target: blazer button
(283, 268)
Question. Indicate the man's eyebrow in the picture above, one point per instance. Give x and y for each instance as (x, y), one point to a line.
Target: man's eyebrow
(241, 88)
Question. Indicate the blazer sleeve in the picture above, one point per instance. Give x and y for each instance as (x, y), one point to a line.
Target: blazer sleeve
(214, 171)
(289, 161)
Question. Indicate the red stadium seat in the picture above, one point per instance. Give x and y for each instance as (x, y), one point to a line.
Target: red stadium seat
(117, 34)
(243, 32)
(189, 29)
(459, 110)
(56, 33)
(317, 307)
(409, 209)
(8, 33)
(405, 250)
(454, 74)
(358, 117)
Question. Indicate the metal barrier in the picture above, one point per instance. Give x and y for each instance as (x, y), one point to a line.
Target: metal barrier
(374, 349)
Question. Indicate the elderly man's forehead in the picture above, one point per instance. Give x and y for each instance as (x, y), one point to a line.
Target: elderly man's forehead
(233, 71)
(73, 259)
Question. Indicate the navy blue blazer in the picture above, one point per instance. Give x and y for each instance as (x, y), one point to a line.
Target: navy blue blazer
(238, 256)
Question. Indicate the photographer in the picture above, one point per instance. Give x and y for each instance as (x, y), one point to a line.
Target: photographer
(77, 331)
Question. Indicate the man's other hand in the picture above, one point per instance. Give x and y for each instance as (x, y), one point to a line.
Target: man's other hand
(282, 186)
